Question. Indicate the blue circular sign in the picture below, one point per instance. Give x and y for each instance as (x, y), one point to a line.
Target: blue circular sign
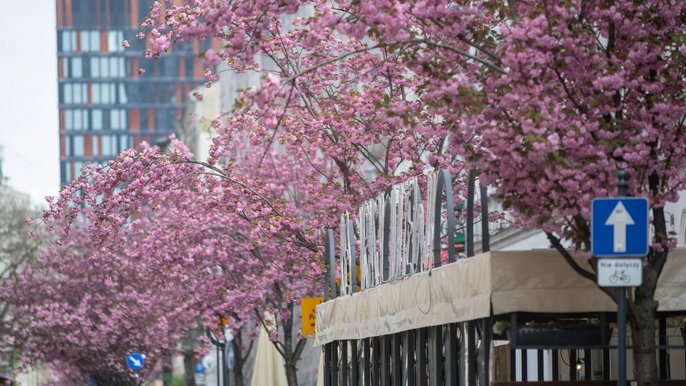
(135, 361)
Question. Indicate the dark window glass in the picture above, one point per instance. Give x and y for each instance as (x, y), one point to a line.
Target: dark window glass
(163, 120)
(106, 119)
(67, 67)
(170, 67)
(117, 15)
(144, 119)
(86, 70)
(84, 13)
(63, 172)
(189, 67)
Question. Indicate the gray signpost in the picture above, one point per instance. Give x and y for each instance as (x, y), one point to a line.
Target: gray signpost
(619, 231)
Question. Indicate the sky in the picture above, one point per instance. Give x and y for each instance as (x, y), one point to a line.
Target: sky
(29, 131)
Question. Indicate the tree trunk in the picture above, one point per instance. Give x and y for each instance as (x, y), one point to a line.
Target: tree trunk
(645, 363)
(238, 358)
(289, 360)
(291, 374)
(189, 356)
(189, 367)
(643, 316)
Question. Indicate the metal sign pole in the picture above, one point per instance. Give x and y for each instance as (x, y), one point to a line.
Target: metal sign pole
(621, 304)
(620, 235)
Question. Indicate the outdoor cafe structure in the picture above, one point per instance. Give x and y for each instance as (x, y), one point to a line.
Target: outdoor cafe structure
(498, 318)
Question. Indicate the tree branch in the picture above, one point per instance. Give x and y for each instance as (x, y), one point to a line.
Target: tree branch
(555, 241)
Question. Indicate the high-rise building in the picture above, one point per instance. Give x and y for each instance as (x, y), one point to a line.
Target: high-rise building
(105, 106)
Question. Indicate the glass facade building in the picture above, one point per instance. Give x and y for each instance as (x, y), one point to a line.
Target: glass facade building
(105, 106)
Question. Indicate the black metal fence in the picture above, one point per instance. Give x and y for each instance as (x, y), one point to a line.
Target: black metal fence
(453, 354)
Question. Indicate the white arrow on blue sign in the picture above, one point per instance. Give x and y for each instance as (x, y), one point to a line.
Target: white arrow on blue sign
(135, 361)
(619, 227)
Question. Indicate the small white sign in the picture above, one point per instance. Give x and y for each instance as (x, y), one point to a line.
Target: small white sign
(620, 272)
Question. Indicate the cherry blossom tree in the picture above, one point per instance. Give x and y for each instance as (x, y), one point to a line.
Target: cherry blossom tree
(590, 88)
(548, 100)
(86, 309)
(285, 165)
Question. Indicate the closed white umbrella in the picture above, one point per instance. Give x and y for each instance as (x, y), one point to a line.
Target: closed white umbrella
(268, 369)
(320, 373)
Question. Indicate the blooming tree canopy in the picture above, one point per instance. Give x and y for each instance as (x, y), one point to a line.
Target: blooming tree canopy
(548, 99)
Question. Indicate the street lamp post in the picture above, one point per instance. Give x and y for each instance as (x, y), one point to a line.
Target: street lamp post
(220, 346)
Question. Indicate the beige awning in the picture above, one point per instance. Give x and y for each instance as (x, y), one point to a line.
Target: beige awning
(492, 283)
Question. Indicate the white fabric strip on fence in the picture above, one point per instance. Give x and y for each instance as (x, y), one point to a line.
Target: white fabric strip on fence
(504, 282)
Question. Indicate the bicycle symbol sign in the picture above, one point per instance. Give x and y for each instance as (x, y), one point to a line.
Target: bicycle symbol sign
(621, 277)
(620, 272)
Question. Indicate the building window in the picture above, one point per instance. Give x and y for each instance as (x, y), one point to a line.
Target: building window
(118, 119)
(75, 120)
(90, 41)
(114, 39)
(95, 93)
(95, 67)
(85, 41)
(76, 94)
(107, 93)
(105, 69)
(67, 93)
(67, 142)
(96, 114)
(95, 40)
(79, 93)
(115, 123)
(64, 169)
(78, 148)
(78, 120)
(109, 145)
(76, 67)
(68, 41)
(114, 67)
(65, 63)
(106, 145)
(123, 142)
(77, 168)
(122, 93)
(69, 124)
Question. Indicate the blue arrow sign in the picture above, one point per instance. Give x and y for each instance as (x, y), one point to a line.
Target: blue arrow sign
(619, 227)
(135, 361)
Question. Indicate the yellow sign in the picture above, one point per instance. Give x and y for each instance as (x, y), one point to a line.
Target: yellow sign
(308, 315)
